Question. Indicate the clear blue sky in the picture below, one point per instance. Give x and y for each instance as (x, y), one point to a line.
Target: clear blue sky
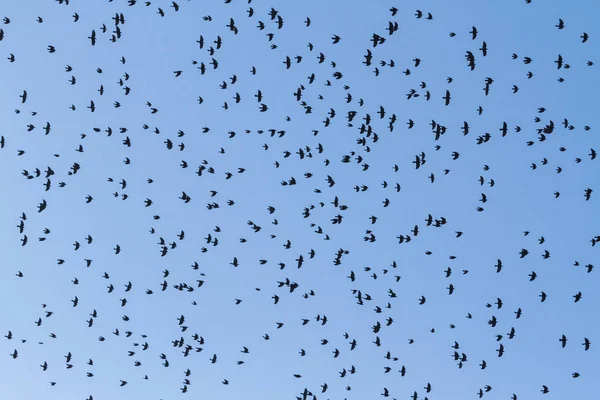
(243, 167)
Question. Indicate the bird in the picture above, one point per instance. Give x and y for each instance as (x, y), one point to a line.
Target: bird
(92, 37)
(545, 389)
(447, 97)
(586, 344)
(563, 341)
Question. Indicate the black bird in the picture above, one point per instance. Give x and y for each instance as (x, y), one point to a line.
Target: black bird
(586, 344)
(563, 341)
(447, 97)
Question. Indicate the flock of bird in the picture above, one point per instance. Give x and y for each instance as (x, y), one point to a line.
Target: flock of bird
(327, 206)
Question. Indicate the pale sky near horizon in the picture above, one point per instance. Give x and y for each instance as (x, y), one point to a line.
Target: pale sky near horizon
(300, 182)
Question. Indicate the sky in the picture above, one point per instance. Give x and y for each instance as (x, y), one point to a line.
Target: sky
(329, 179)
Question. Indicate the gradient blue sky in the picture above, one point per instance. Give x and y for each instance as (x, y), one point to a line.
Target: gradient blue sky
(522, 199)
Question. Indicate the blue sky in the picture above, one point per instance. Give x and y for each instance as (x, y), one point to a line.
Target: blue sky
(250, 164)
